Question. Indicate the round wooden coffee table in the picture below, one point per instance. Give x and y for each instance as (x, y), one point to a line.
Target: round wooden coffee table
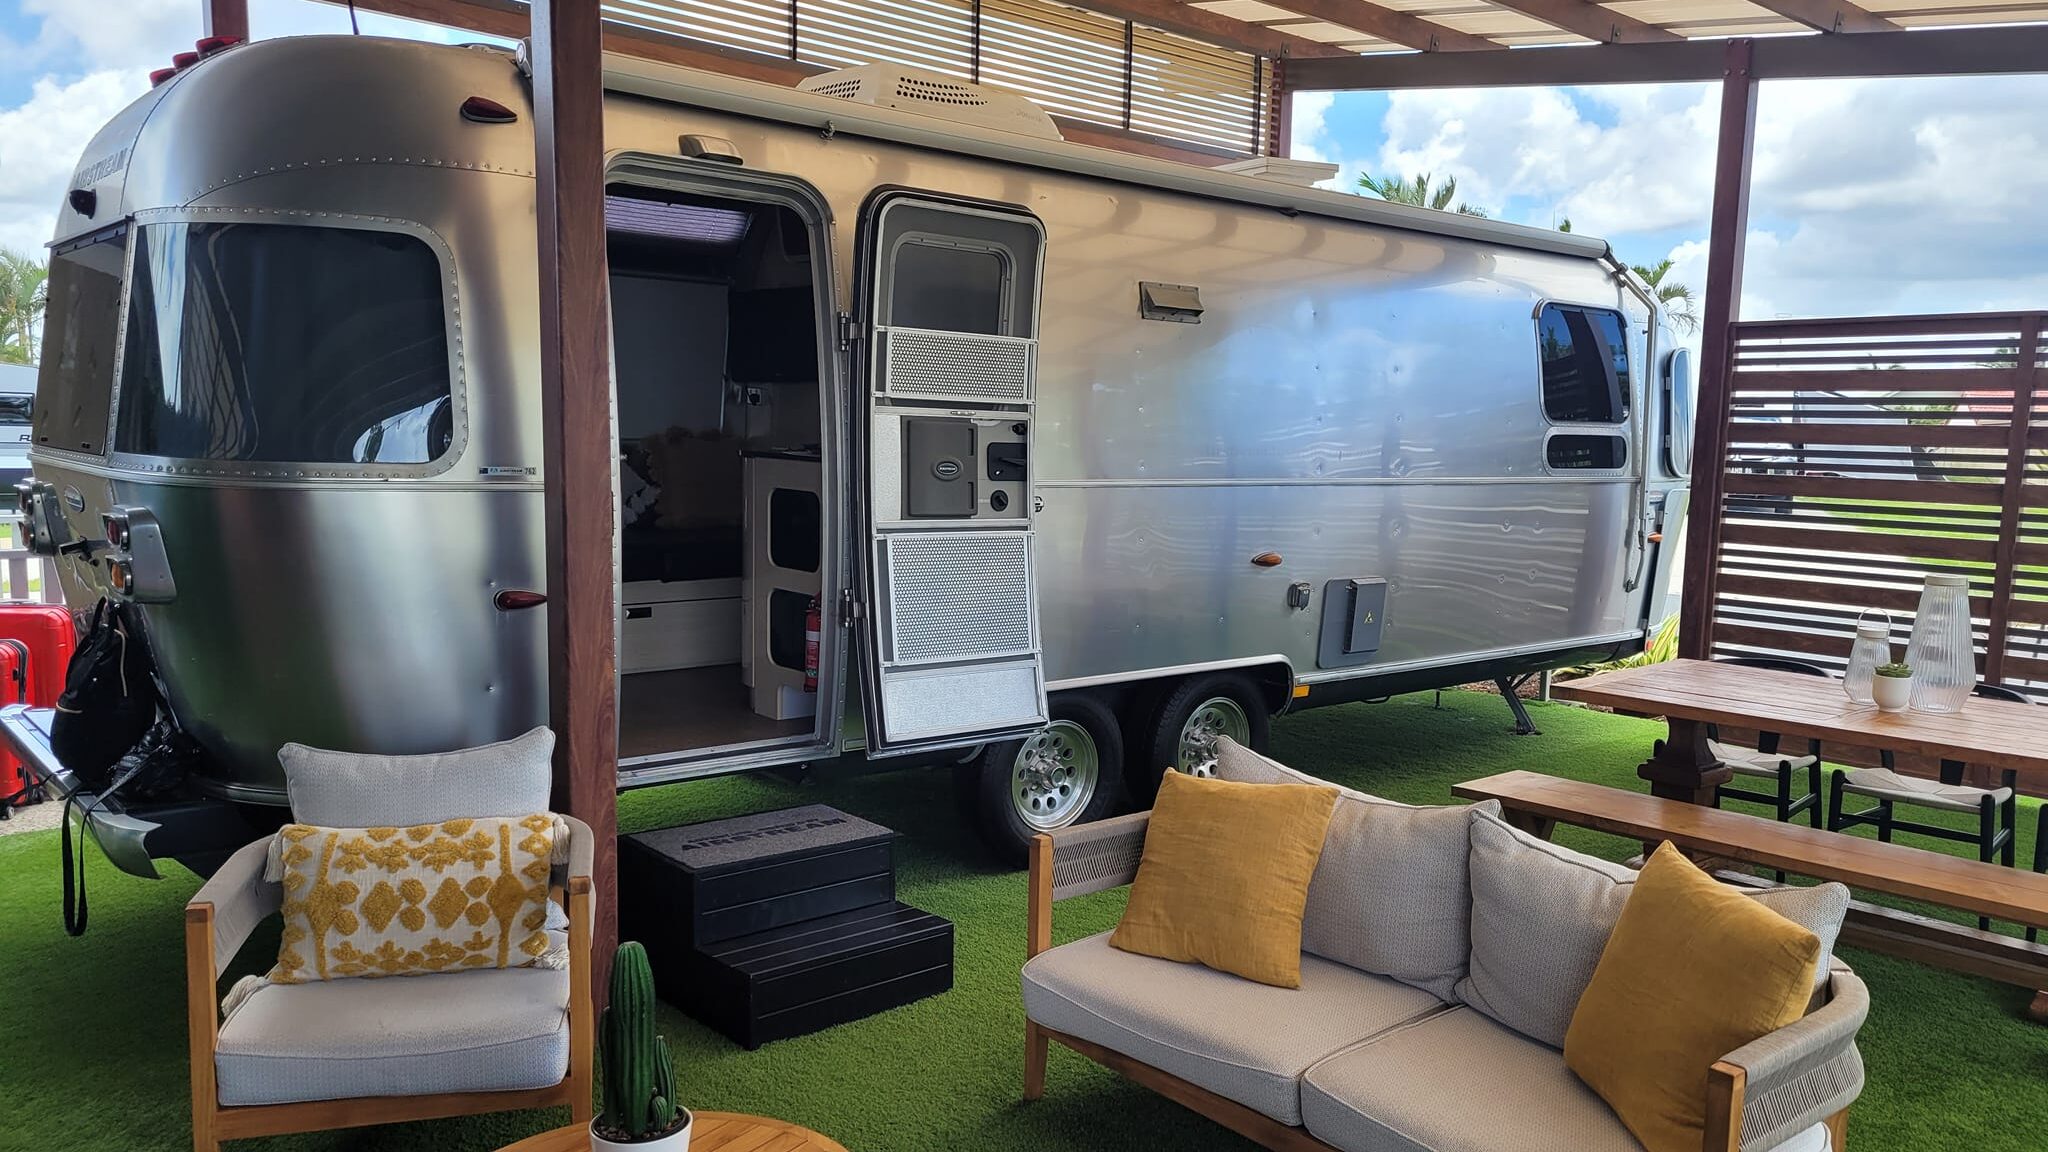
(710, 1132)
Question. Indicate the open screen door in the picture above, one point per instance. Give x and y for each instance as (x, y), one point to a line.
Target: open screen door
(950, 631)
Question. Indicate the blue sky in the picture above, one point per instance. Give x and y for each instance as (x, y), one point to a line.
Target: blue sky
(1870, 197)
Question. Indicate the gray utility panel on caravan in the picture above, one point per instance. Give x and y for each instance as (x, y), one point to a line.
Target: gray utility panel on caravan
(939, 437)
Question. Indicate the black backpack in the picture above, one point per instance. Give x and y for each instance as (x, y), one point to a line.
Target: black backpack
(109, 699)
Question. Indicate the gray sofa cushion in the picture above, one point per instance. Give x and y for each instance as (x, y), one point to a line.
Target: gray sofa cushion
(488, 1031)
(1240, 1039)
(1541, 916)
(1456, 1082)
(1389, 894)
(358, 790)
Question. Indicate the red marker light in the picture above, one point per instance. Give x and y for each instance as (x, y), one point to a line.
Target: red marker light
(160, 75)
(207, 46)
(184, 60)
(483, 110)
(513, 599)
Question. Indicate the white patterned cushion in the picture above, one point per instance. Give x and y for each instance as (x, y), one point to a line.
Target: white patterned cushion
(359, 790)
(1243, 1040)
(1390, 894)
(1541, 916)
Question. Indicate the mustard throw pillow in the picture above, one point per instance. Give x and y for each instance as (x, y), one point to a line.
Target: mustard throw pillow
(443, 897)
(1693, 971)
(1225, 875)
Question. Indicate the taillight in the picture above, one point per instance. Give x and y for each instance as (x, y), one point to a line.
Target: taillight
(121, 576)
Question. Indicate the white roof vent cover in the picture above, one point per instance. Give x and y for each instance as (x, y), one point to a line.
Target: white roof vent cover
(934, 94)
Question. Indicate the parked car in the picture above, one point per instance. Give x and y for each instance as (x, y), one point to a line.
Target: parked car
(17, 408)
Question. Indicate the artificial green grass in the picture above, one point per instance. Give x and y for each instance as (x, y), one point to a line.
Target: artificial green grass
(92, 1038)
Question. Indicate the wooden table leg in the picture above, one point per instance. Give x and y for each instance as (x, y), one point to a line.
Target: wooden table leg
(1681, 768)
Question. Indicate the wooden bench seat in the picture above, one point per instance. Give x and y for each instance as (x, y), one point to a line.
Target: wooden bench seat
(1536, 803)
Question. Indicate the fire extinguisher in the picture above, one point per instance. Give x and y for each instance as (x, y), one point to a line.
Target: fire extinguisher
(813, 621)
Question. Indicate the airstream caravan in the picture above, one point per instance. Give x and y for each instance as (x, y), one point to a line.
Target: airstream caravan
(939, 437)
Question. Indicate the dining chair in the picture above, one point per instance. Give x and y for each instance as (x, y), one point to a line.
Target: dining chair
(1766, 762)
(1996, 808)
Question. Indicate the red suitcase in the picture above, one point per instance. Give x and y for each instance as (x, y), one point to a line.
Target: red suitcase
(51, 636)
(14, 783)
(36, 642)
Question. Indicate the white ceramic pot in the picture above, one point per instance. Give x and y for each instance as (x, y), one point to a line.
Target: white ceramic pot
(1893, 693)
(676, 1141)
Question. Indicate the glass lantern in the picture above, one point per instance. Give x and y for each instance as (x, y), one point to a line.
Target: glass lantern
(1942, 652)
(1872, 648)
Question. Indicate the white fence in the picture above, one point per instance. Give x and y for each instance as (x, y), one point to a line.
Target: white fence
(28, 576)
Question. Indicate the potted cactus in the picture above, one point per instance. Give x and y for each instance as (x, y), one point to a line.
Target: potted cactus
(1892, 687)
(640, 1111)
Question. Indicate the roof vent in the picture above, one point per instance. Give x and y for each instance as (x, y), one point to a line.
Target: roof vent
(934, 94)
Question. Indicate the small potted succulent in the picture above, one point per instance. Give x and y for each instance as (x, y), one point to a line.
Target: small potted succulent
(1892, 686)
(640, 1112)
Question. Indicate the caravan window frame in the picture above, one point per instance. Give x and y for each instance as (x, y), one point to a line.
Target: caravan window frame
(124, 232)
(894, 237)
(308, 470)
(1622, 427)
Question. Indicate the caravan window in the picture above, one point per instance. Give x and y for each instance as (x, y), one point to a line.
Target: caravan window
(1585, 365)
(76, 384)
(956, 271)
(288, 344)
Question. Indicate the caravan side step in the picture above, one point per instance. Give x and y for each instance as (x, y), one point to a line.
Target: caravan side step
(780, 923)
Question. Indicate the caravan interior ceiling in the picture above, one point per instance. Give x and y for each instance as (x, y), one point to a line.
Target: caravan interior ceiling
(721, 514)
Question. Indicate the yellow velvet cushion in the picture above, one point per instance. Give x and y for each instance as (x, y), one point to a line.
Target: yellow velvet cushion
(446, 897)
(1693, 971)
(1225, 875)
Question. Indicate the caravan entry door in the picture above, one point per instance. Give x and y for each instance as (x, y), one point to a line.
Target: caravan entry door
(950, 628)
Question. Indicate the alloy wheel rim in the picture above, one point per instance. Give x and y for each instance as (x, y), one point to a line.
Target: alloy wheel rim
(1212, 718)
(1054, 775)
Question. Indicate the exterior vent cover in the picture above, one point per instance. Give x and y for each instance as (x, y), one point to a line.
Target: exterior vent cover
(934, 94)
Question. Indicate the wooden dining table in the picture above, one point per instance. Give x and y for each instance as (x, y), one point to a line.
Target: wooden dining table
(1690, 695)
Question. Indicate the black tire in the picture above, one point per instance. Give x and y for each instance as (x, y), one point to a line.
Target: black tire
(1162, 737)
(1003, 800)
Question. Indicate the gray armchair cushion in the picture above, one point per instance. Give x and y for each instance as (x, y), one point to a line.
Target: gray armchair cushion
(1390, 893)
(1541, 916)
(358, 790)
(498, 1030)
(1243, 1040)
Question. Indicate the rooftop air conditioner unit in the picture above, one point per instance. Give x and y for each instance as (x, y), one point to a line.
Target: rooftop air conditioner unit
(934, 94)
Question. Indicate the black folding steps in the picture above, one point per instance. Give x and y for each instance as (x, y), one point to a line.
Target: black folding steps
(778, 924)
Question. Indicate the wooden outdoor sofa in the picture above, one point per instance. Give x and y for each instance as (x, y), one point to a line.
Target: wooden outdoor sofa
(1301, 1070)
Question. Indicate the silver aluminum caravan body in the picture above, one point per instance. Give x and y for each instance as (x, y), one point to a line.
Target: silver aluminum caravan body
(1272, 446)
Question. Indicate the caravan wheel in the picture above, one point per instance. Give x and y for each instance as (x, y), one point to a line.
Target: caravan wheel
(1069, 773)
(1190, 719)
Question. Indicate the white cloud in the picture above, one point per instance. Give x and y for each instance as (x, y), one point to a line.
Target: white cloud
(40, 142)
(1868, 196)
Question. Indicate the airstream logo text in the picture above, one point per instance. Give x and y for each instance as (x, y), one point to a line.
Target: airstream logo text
(102, 168)
(491, 470)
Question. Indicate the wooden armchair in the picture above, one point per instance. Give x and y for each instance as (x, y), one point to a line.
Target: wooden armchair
(343, 1053)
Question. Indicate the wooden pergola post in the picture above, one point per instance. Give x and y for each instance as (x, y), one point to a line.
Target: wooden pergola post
(1682, 768)
(577, 445)
(227, 18)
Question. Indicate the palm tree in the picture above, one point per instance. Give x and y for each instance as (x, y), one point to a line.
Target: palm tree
(24, 293)
(1417, 192)
(1677, 298)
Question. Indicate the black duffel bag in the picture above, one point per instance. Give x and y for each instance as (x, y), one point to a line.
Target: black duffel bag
(109, 699)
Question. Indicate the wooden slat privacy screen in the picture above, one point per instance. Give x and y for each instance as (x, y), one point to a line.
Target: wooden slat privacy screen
(1073, 63)
(1864, 454)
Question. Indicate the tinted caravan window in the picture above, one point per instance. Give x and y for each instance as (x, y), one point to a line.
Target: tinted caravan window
(83, 322)
(280, 343)
(1585, 365)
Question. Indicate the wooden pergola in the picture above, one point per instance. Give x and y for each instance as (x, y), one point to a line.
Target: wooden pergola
(1287, 46)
